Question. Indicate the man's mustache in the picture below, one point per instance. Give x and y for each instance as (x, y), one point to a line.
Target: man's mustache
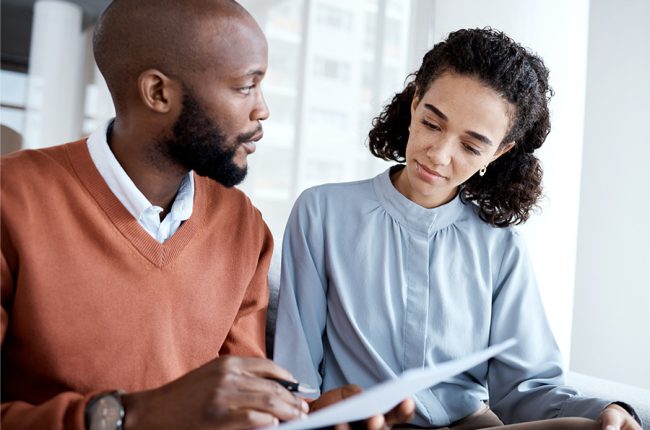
(248, 136)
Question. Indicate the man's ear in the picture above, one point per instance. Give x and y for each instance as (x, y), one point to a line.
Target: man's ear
(504, 148)
(157, 91)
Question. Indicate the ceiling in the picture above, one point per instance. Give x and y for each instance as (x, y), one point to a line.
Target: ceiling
(16, 28)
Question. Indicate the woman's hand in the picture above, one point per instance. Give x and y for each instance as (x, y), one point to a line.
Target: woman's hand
(399, 414)
(614, 417)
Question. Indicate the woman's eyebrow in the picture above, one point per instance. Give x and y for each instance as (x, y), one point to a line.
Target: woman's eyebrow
(479, 136)
(436, 111)
(443, 117)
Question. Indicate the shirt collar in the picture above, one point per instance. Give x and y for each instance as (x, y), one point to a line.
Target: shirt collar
(182, 206)
(123, 187)
(409, 213)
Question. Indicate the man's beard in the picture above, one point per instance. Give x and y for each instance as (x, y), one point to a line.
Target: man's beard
(199, 144)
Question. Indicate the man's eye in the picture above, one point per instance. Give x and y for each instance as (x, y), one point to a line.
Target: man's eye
(246, 90)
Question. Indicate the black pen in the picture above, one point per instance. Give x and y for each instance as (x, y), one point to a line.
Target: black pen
(295, 387)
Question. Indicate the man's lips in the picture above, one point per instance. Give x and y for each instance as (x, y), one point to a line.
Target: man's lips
(257, 136)
(249, 145)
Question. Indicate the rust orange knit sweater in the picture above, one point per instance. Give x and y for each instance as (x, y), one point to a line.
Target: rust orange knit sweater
(91, 302)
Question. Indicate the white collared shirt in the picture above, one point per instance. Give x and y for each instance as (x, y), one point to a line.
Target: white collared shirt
(134, 201)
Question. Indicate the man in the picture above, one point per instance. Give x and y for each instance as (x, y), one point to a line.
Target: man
(128, 260)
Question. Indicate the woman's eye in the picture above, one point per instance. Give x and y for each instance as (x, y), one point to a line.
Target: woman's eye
(471, 149)
(430, 125)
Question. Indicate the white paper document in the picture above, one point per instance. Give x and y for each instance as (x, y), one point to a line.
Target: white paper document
(383, 397)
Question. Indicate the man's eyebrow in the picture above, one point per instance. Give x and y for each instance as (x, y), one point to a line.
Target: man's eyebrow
(435, 110)
(254, 72)
(479, 136)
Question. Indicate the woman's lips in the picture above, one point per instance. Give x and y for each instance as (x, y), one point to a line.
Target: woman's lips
(427, 174)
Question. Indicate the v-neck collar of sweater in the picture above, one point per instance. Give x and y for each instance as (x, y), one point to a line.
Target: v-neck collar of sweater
(410, 214)
(159, 254)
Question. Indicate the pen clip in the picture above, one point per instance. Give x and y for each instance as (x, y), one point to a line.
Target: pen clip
(294, 387)
(291, 386)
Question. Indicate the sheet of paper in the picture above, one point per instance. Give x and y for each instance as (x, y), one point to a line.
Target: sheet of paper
(383, 397)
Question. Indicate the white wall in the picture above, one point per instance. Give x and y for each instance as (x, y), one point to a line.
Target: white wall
(556, 30)
(611, 328)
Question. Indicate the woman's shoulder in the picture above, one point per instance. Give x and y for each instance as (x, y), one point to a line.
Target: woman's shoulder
(333, 193)
(329, 203)
(509, 235)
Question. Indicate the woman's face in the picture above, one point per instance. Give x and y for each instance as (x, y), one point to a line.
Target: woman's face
(456, 128)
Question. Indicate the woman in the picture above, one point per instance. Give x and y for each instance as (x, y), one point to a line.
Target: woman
(420, 264)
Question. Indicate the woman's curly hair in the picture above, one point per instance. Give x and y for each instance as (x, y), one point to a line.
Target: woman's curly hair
(512, 184)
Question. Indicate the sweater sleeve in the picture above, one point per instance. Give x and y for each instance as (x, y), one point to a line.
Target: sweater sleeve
(526, 382)
(247, 334)
(64, 411)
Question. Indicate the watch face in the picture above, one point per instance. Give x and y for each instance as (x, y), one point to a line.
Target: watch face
(107, 414)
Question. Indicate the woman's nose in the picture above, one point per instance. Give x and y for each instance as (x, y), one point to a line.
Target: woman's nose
(440, 152)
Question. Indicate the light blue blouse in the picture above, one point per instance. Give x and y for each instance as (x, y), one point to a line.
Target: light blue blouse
(373, 284)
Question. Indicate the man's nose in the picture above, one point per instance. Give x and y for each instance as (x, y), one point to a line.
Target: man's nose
(260, 110)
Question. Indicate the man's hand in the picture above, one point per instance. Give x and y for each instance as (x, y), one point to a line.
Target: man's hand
(399, 414)
(614, 417)
(226, 393)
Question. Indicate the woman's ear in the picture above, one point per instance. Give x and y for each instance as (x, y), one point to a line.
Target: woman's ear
(503, 149)
(157, 91)
(414, 103)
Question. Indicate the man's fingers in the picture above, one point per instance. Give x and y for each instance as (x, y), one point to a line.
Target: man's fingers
(269, 396)
(248, 388)
(274, 405)
(255, 366)
(247, 419)
(237, 388)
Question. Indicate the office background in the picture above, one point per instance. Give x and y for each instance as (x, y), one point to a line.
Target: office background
(334, 63)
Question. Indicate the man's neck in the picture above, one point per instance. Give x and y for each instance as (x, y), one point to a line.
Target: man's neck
(152, 173)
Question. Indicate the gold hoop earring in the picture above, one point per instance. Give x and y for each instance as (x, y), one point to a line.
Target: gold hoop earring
(482, 171)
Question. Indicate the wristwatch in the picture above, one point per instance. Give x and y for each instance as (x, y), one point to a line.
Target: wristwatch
(105, 411)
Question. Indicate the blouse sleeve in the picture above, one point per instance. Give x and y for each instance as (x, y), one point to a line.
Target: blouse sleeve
(526, 382)
(302, 305)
